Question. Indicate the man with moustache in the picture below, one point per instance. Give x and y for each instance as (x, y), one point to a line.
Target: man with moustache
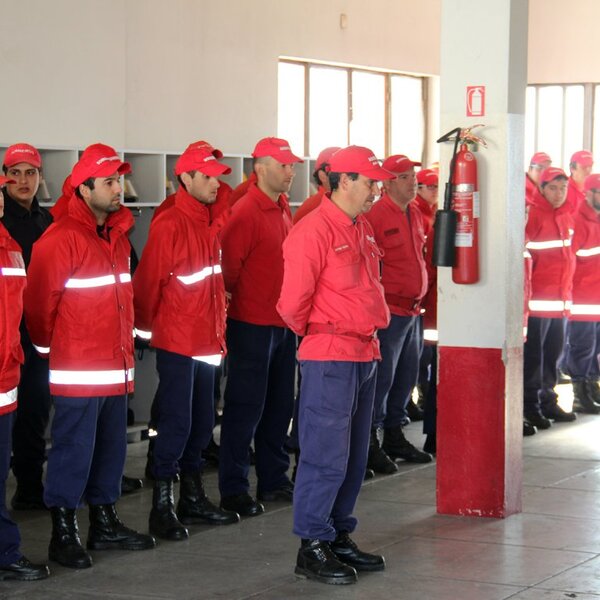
(398, 226)
(332, 297)
(25, 221)
(259, 394)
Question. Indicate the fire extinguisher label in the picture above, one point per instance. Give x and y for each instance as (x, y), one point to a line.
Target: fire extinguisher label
(464, 205)
(476, 205)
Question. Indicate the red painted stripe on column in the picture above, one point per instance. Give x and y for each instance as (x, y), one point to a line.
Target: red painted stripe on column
(471, 449)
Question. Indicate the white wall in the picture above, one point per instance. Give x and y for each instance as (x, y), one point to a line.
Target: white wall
(156, 74)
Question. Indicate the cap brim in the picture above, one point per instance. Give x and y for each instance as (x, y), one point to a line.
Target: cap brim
(377, 173)
(4, 180)
(286, 158)
(214, 169)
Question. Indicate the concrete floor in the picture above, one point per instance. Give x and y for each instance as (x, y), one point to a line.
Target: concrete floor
(551, 551)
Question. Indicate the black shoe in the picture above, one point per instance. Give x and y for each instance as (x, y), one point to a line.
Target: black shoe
(377, 459)
(28, 498)
(528, 429)
(285, 493)
(130, 485)
(413, 411)
(583, 398)
(107, 531)
(593, 391)
(211, 453)
(316, 560)
(369, 474)
(163, 522)
(556, 413)
(430, 445)
(65, 545)
(243, 504)
(194, 507)
(348, 552)
(23, 570)
(538, 420)
(395, 445)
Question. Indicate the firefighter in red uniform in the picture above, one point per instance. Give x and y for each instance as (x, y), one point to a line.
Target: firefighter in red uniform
(539, 161)
(259, 393)
(548, 232)
(322, 181)
(179, 300)
(25, 221)
(332, 296)
(583, 328)
(580, 165)
(427, 202)
(13, 565)
(398, 227)
(79, 310)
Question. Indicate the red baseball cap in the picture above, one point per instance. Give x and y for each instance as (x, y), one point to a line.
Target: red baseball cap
(427, 177)
(583, 158)
(18, 153)
(398, 163)
(4, 179)
(98, 160)
(592, 182)
(201, 159)
(202, 144)
(275, 148)
(358, 159)
(539, 158)
(550, 174)
(325, 156)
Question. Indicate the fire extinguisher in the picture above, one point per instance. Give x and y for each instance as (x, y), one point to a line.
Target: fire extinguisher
(456, 241)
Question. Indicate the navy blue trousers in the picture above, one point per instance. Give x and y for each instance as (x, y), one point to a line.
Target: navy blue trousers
(33, 415)
(581, 350)
(541, 353)
(336, 404)
(258, 402)
(184, 414)
(89, 446)
(398, 370)
(10, 539)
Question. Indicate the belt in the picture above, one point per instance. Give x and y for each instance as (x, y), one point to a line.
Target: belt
(402, 302)
(330, 328)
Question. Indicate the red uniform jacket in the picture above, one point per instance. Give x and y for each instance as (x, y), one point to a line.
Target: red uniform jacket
(179, 295)
(532, 192)
(575, 196)
(401, 237)
(79, 303)
(253, 258)
(12, 284)
(548, 234)
(242, 189)
(331, 286)
(309, 204)
(219, 211)
(586, 281)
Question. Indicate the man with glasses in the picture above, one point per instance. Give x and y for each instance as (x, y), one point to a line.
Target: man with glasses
(25, 221)
(398, 227)
(539, 161)
(583, 327)
(580, 165)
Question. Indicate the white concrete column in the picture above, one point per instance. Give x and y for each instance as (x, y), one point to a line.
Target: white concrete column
(484, 43)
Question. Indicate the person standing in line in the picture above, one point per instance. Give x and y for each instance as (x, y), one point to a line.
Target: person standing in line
(580, 165)
(13, 565)
(259, 394)
(179, 300)
(332, 296)
(26, 221)
(79, 312)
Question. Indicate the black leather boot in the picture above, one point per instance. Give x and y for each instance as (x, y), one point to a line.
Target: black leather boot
(23, 570)
(347, 551)
(593, 391)
(378, 460)
(65, 545)
(317, 561)
(163, 520)
(194, 507)
(582, 400)
(108, 532)
(395, 445)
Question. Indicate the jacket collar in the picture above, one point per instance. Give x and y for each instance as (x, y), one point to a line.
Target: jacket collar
(264, 202)
(588, 212)
(190, 206)
(119, 222)
(13, 208)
